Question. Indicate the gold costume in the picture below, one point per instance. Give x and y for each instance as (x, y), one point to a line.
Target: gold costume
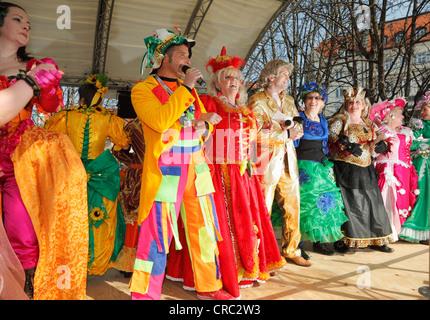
(277, 166)
(364, 135)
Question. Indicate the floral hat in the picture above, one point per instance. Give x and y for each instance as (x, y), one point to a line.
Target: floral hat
(224, 61)
(312, 87)
(424, 100)
(379, 110)
(158, 43)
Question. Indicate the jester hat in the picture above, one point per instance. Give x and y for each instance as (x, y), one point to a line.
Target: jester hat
(158, 43)
(224, 61)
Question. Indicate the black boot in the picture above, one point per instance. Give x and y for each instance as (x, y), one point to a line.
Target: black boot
(29, 280)
(322, 248)
(383, 248)
(341, 247)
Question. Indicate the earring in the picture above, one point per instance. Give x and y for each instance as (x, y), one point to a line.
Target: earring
(237, 96)
(219, 94)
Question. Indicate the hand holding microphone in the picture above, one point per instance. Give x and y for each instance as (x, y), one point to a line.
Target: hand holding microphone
(196, 76)
(289, 122)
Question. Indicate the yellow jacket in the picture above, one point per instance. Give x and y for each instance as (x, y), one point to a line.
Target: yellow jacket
(276, 150)
(97, 122)
(161, 128)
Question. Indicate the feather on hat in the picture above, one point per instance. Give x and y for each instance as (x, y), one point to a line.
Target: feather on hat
(224, 61)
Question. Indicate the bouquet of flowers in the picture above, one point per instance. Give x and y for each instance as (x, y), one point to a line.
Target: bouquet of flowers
(416, 124)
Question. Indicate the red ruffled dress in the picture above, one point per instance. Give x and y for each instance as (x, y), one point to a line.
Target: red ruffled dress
(248, 250)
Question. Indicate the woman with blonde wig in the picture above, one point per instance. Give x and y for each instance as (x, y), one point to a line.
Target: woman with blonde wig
(397, 177)
(248, 250)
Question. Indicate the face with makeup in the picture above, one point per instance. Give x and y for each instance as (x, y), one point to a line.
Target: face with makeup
(395, 118)
(425, 112)
(314, 102)
(16, 27)
(355, 107)
(229, 82)
(280, 82)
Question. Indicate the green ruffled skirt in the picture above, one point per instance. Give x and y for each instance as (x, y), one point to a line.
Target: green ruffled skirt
(321, 205)
(416, 226)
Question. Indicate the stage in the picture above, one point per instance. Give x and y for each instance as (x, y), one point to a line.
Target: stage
(364, 275)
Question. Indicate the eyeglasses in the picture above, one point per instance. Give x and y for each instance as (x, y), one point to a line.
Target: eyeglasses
(316, 98)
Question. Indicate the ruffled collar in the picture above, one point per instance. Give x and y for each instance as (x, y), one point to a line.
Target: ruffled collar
(220, 105)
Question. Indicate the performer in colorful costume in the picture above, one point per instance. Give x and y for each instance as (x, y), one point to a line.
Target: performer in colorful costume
(131, 182)
(321, 205)
(176, 175)
(42, 180)
(398, 180)
(416, 227)
(277, 159)
(249, 250)
(353, 140)
(88, 126)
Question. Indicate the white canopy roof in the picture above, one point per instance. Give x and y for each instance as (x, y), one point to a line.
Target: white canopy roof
(235, 24)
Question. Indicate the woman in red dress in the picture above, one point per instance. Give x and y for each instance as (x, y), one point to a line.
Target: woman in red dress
(248, 251)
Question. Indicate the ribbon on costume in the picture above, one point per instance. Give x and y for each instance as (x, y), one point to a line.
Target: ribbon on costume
(103, 180)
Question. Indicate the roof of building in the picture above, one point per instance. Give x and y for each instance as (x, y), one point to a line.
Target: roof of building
(334, 46)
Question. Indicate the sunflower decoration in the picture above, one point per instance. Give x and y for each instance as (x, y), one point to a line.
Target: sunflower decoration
(97, 216)
(98, 79)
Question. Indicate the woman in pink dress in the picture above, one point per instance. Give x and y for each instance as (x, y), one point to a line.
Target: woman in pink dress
(397, 177)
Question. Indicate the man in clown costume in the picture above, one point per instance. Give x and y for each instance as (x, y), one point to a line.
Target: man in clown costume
(175, 178)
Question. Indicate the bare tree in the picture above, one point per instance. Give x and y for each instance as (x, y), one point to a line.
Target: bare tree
(325, 43)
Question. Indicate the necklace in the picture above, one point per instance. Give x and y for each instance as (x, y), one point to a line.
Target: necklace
(234, 106)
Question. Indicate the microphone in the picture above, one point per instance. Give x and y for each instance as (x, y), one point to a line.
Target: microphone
(200, 81)
(296, 119)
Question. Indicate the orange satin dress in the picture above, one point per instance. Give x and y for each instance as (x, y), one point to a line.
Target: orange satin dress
(52, 184)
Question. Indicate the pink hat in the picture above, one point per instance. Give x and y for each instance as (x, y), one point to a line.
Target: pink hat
(379, 110)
